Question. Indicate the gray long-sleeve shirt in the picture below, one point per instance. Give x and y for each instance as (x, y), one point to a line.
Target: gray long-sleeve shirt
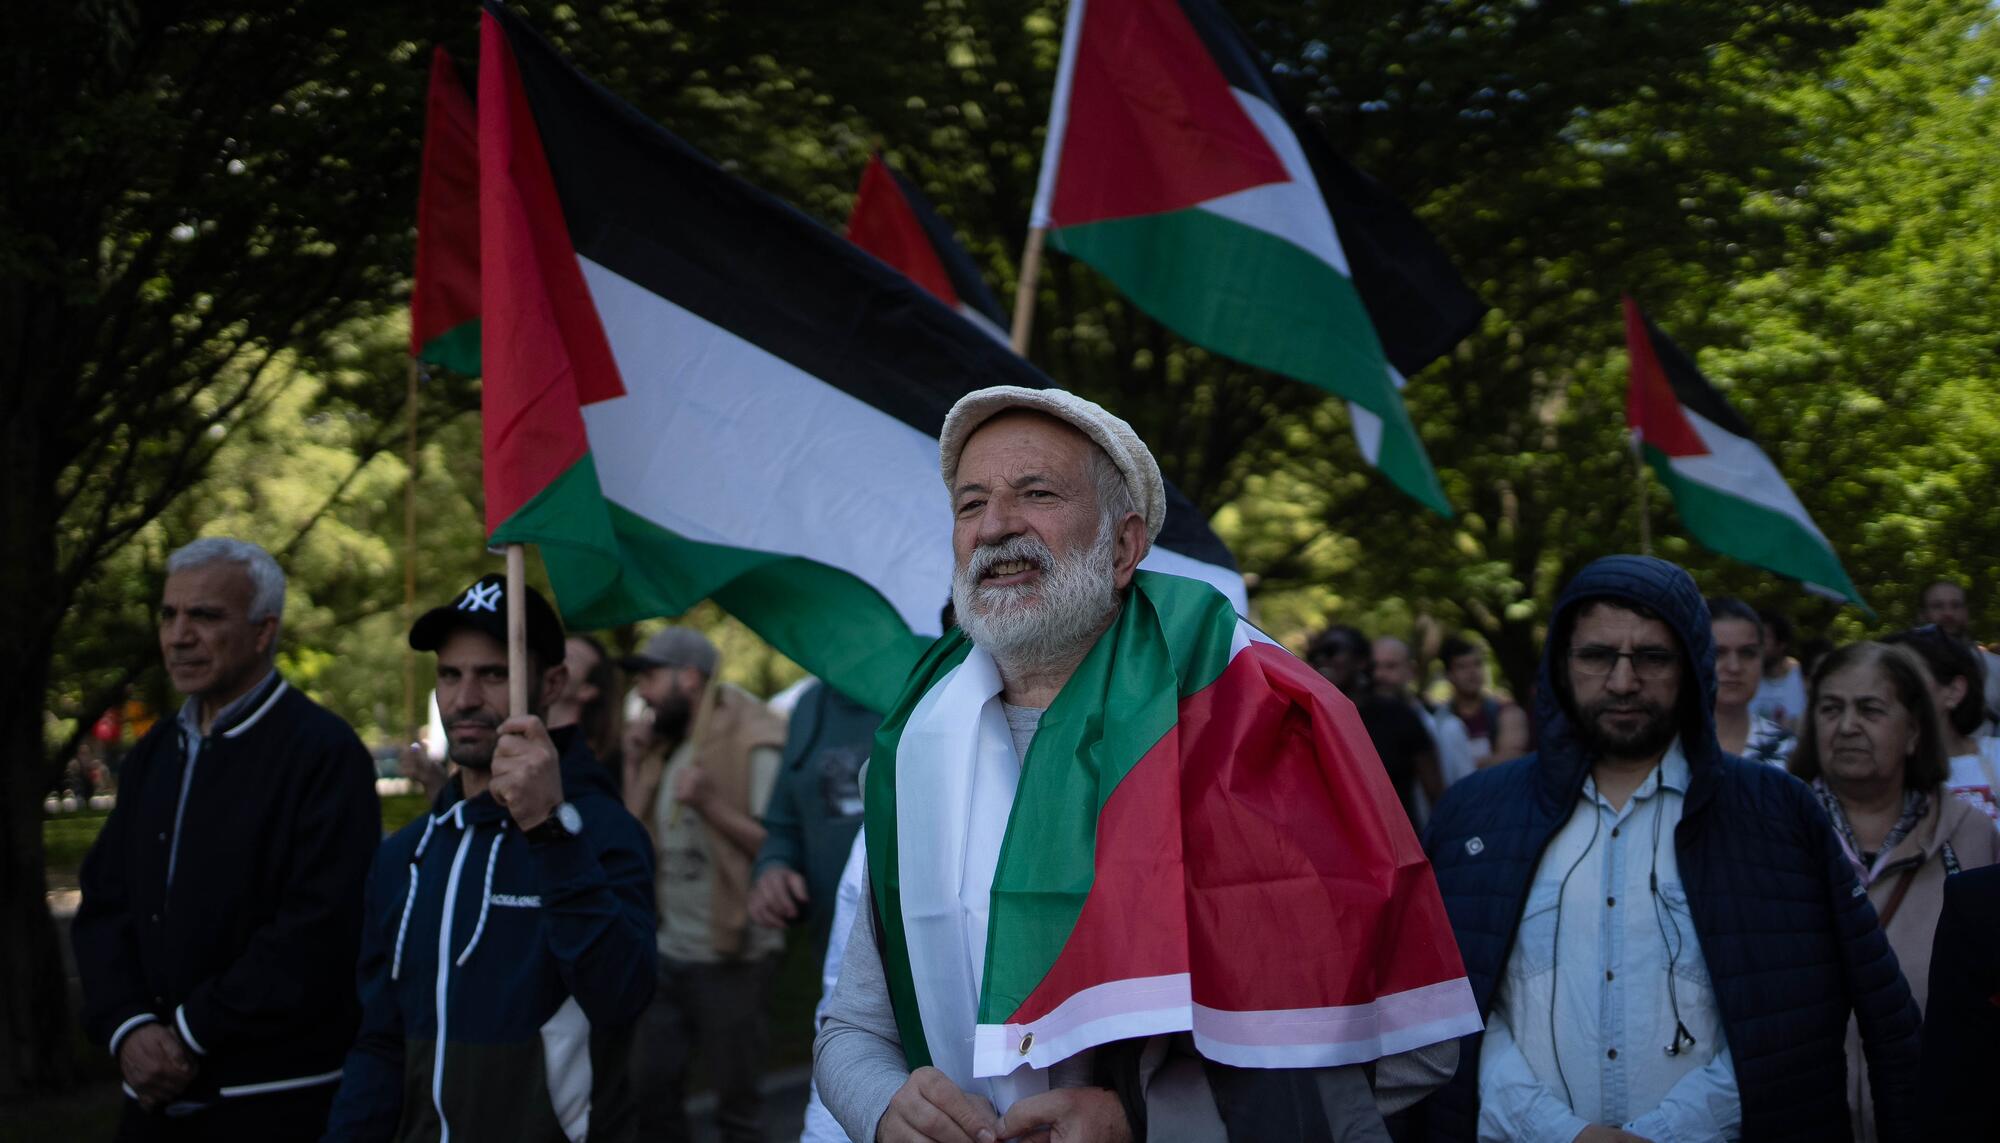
(859, 1066)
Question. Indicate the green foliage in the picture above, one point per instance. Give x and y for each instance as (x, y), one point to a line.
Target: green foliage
(66, 838)
(1870, 352)
(1744, 170)
(198, 197)
(399, 810)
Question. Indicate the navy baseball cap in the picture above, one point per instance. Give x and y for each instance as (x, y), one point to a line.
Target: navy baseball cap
(483, 607)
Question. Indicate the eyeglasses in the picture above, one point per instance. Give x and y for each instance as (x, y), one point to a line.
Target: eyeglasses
(1651, 664)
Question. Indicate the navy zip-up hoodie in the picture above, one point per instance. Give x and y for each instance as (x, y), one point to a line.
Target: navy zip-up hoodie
(1790, 940)
(247, 952)
(534, 958)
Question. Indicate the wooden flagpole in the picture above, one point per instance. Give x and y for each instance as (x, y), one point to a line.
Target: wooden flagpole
(517, 630)
(410, 557)
(1639, 477)
(1024, 291)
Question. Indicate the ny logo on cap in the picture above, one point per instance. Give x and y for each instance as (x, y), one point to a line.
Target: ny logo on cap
(481, 597)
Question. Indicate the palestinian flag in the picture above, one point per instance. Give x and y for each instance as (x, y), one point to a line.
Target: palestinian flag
(1172, 169)
(1729, 494)
(444, 300)
(892, 221)
(693, 391)
(1203, 840)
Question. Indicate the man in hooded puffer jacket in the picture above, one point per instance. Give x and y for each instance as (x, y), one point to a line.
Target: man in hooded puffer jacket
(1666, 941)
(508, 948)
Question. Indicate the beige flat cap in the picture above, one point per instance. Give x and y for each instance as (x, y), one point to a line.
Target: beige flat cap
(1114, 436)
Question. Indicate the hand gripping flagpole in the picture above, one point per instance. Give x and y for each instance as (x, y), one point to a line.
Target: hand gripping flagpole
(517, 631)
(1024, 292)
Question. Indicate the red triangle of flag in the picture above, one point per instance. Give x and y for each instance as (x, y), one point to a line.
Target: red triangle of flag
(883, 224)
(543, 345)
(1152, 124)
(446, 291)
(1651, 408)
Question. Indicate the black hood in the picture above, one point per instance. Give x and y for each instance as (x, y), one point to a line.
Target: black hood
(1667, 591)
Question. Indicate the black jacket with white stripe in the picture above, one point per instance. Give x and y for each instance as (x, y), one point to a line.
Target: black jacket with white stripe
(501, 977)
(250, 951)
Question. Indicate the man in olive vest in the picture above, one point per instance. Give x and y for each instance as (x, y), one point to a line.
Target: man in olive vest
(700, 788)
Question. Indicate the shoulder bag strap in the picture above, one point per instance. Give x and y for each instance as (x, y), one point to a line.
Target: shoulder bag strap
(1896, 895)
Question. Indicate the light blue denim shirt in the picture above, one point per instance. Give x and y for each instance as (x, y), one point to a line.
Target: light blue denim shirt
(1584, 1014)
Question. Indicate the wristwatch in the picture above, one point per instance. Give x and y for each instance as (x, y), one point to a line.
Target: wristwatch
(564, 823)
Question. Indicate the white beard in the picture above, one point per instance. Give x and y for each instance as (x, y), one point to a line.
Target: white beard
(1030, 626)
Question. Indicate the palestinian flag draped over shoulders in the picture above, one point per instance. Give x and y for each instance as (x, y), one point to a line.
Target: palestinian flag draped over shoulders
(693, 391)
(892, 221)
(1728, 493)
(444, 299)
(1203, 840)
(1172, 169)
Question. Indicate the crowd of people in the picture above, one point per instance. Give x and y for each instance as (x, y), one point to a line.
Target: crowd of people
(1760, 697)
(1696, 884)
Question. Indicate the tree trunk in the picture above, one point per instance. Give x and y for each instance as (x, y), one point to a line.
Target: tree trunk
(1518, 655)
(34, 996)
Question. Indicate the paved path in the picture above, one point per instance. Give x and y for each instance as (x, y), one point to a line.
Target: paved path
(784, 1108)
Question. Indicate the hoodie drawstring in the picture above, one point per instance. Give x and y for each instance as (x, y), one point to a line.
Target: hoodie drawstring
(410, 900)
(485, 899)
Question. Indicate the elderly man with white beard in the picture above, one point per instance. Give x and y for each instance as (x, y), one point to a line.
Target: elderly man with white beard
(1133, 870)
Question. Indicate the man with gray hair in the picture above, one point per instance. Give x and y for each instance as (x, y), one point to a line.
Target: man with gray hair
(221, 910)
(1134, 871)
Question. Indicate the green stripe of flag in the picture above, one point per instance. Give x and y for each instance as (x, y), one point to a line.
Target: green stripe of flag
(456, 349)
(610, 566)
(884, 875)
(1726, 522)
(1255, 297)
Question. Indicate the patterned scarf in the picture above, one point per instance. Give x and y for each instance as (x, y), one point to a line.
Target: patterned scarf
(1867, 866)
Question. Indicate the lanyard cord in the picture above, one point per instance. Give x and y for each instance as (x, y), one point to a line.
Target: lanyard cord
(1683, 1039)
(1555, 951)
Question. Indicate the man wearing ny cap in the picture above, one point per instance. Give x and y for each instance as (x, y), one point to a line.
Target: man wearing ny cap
(700, 787)
(507, 949)
(1094, 913)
